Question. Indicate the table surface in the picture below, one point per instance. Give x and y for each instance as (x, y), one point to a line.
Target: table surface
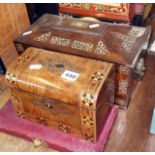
(131, 129)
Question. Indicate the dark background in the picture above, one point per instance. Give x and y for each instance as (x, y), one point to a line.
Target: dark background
(36, 10)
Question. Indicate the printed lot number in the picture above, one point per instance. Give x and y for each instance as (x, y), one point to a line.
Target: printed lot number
(69, 75)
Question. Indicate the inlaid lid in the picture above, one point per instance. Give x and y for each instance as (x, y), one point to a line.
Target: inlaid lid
(116, 43)
(71, 79)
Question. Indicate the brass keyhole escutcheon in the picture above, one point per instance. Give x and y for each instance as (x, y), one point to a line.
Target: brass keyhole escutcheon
(59, 65)
(48, 105)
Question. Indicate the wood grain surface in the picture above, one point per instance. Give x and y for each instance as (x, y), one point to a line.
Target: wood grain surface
(78, 107)
(131, 130)
(2, 84)
(118, 44)
(13, 21)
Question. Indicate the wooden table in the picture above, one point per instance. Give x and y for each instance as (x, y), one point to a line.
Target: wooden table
(131, 130)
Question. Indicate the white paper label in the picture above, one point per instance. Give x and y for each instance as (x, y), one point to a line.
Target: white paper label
(27, 33)
(35, 66)
(69, 75)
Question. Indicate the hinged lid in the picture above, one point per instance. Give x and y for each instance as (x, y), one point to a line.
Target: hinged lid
(111, 42)
(71, 79)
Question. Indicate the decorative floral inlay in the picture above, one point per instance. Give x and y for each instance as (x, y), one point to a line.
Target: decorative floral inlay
(124, 70)
(89, 137)
(102, 8)
(42, 121)
(87, 120)
(123, 87)
(85, 6)
(130, 39)
(82, 46)
(59, 41)
(97, 76)
(118, 35)
(21, 114)
(101, 48)
(10, 77)
(127, 40)
(43, 37)
(64, 128)
(16, 98)
(23, 59)
(26, 57)
(88, 99)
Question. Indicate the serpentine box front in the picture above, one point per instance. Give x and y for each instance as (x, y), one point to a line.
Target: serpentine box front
(69, 93)
(118, 44)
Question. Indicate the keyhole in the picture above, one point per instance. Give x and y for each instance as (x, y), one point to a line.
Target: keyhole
(59, 65)
(48, 105)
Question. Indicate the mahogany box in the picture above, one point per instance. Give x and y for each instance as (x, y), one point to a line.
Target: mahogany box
(65, 92)
(119, 44)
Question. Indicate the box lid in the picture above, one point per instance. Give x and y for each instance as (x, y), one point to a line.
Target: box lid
(116, 43)
(71, 79)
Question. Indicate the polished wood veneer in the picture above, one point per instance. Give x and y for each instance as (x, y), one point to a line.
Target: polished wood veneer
(119, 44)
(60, 141)
(131, 129)
(44, 91)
